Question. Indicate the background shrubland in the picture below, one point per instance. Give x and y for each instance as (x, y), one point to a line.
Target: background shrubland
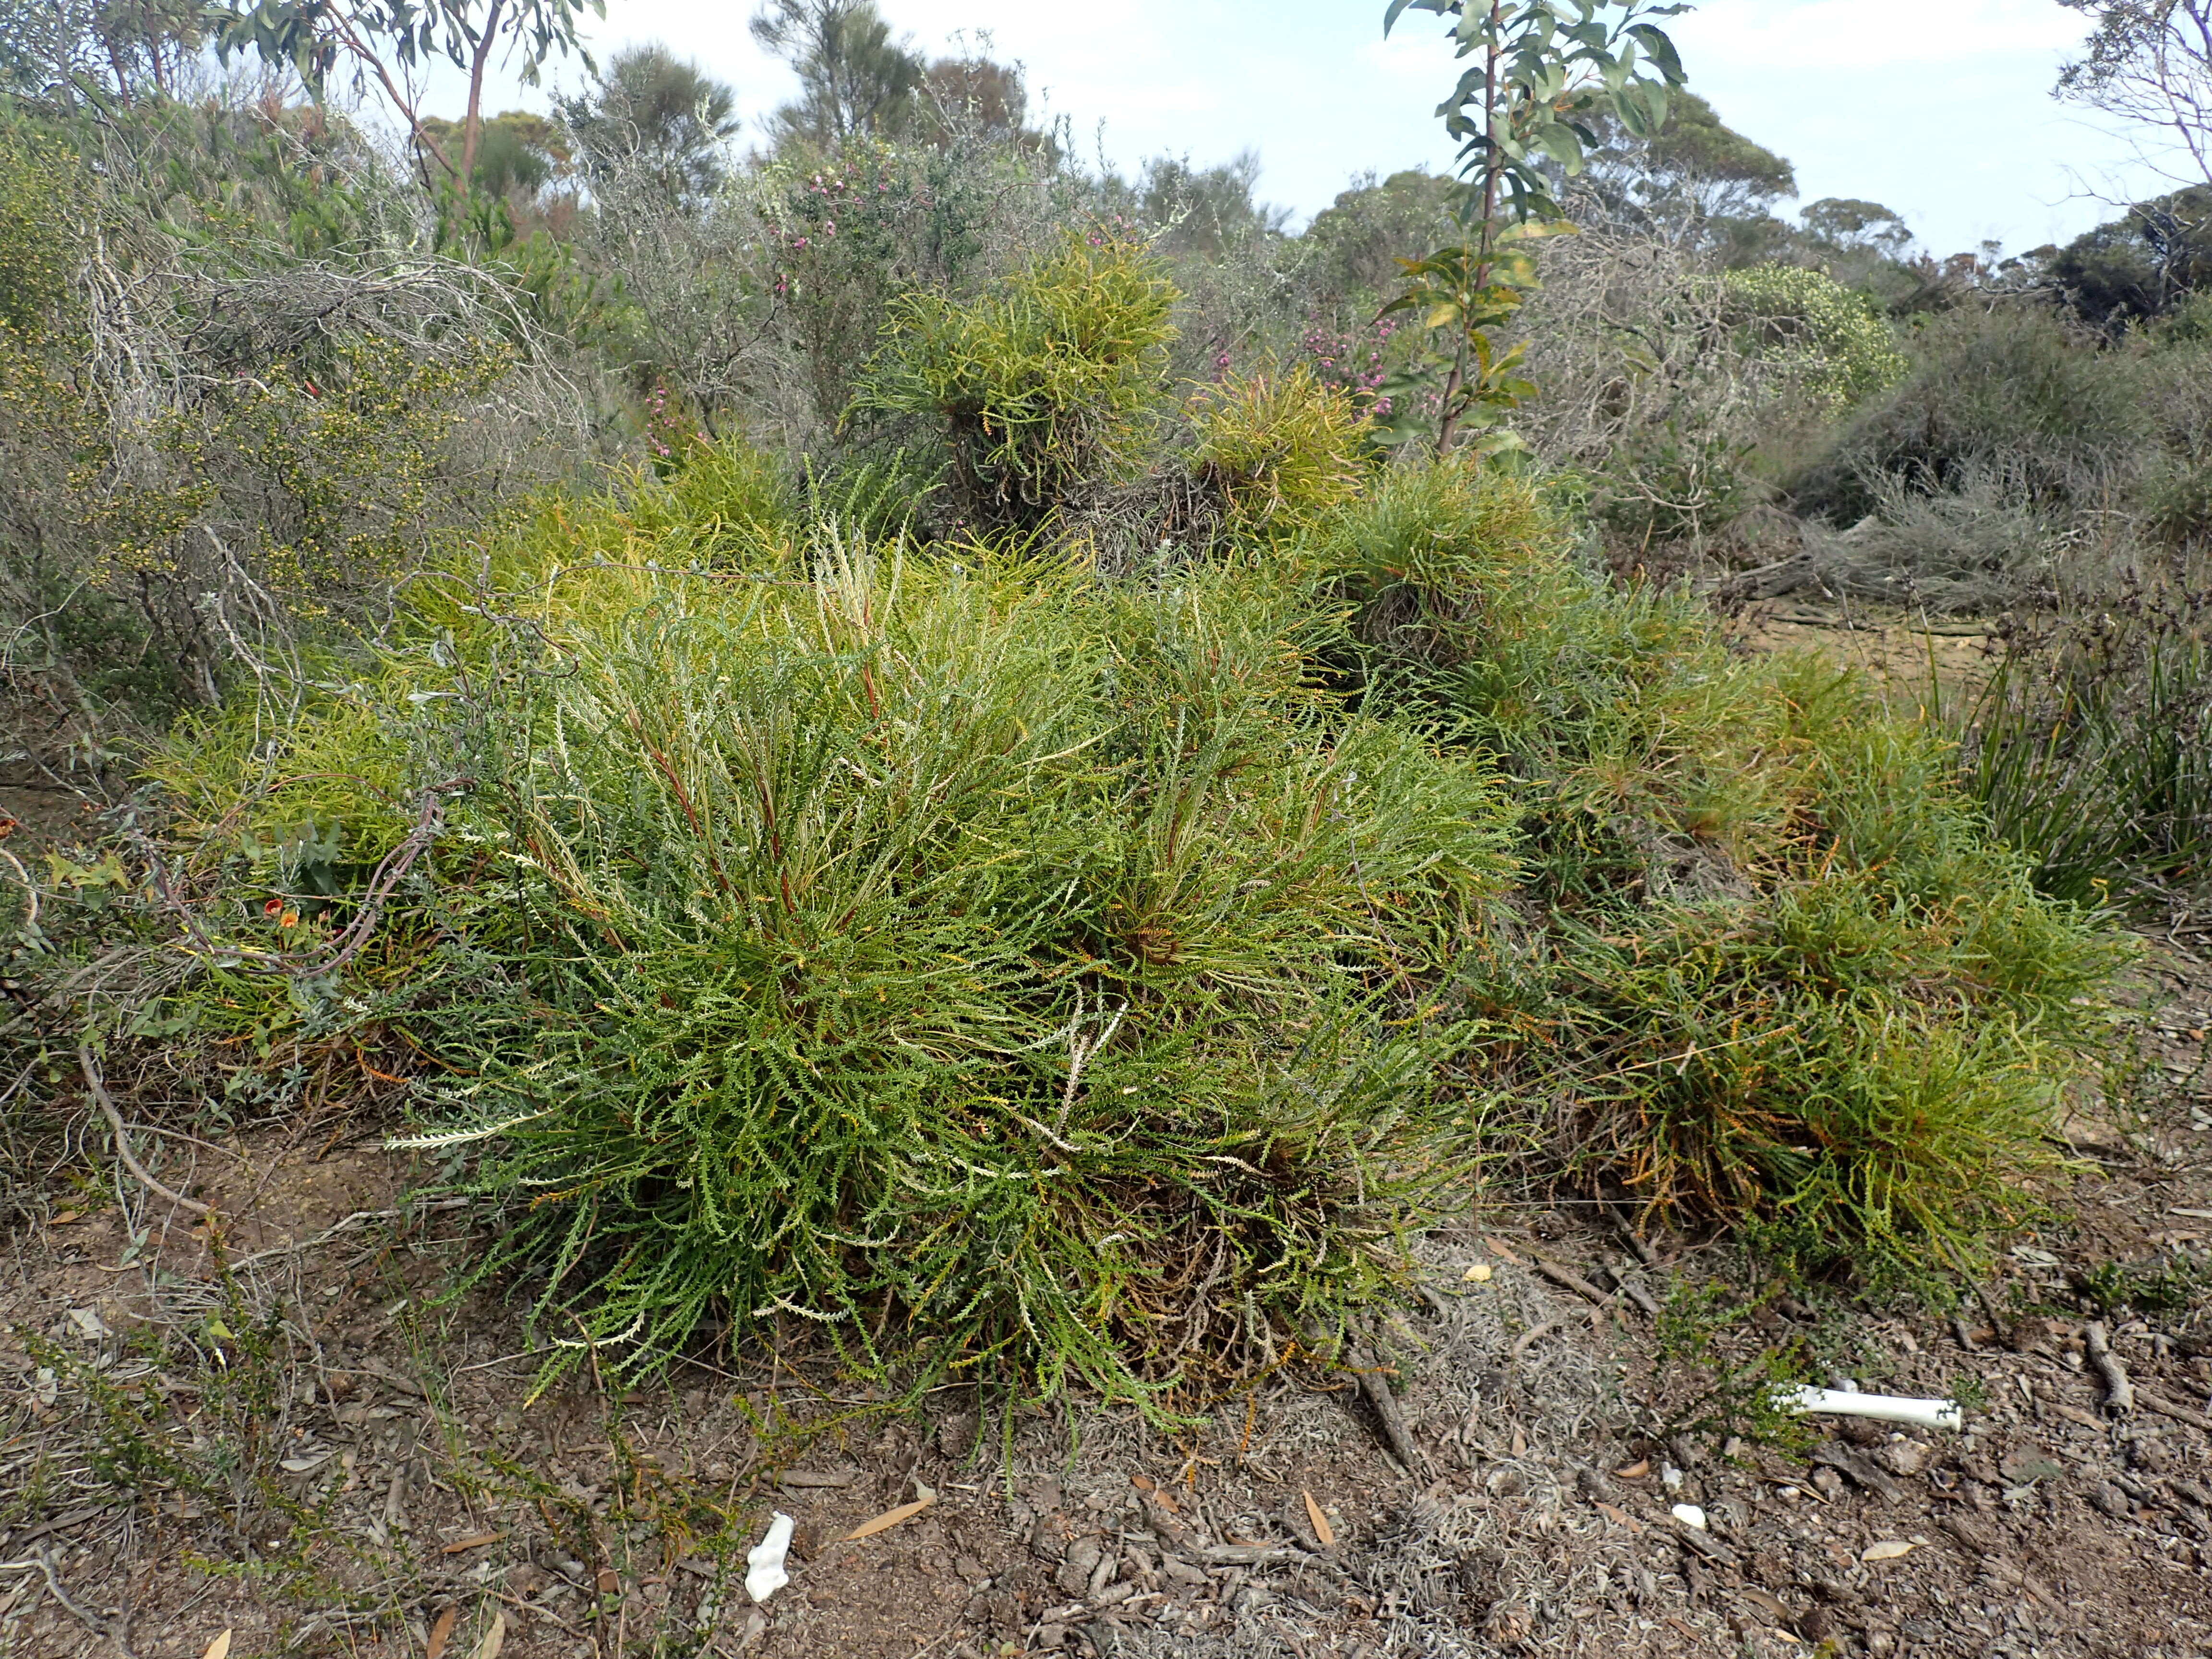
(897, 733)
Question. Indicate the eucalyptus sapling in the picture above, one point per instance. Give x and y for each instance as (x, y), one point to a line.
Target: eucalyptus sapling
(1542, 72)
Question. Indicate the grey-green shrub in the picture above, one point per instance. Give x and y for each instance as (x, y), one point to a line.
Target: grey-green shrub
(2011, 387)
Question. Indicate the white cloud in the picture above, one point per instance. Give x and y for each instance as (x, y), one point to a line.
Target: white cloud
(1729, 36)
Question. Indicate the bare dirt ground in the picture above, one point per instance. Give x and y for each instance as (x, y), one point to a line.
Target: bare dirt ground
(273, 1425)
(1913, 659)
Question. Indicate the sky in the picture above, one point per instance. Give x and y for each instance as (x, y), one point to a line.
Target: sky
(1938, 109)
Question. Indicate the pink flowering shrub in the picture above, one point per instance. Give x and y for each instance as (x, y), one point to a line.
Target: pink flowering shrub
(1367, 362)
(673, 432)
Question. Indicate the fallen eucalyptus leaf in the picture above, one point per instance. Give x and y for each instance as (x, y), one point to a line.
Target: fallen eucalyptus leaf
(1322, 1530)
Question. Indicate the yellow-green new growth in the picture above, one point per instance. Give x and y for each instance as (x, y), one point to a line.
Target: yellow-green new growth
(1044, 385)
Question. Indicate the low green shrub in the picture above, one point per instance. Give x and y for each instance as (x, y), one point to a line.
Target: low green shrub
(2177, 503)
(1281, 449)
(1780, 973)
(2089, 749)
(993, 966)
(1673, 482)
(907, 946)
(1049, 385)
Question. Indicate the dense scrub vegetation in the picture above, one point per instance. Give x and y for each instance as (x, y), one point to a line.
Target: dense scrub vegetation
(940, 937)
(897, 733)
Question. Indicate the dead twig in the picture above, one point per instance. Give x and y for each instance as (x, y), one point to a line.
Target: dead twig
(382, 881)
(1376, 1387)
(30, 889)
(59, 1523)
(2165, 1408)
(84, 1616)
(2119, 1393)
(1635, 1240)
(106, 1104)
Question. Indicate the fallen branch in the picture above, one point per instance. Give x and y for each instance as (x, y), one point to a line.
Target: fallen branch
(106, 1104)
(1642, 1297)
(2165, 1408)
(1567, 1279)
(1376, 1387)
(2119, 1393)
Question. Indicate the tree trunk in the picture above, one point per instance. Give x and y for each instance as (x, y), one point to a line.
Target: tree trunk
(472, 124)
(1448, 427)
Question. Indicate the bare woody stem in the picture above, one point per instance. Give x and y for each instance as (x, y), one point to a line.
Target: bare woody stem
(105, 1101)
(1448, 427)
(473, 129)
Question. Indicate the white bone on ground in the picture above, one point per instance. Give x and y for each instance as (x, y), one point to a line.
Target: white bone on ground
(764, 1573)
(1881, 1408)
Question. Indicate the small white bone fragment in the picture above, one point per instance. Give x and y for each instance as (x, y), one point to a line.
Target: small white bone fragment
(764, 1573)
(1882, 1408)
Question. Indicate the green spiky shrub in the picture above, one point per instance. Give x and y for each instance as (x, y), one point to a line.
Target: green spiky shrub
(1775, 970)
(916, 949)
(1046, 387)
(2089, 749)
(1279, 449)
(994, 965)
